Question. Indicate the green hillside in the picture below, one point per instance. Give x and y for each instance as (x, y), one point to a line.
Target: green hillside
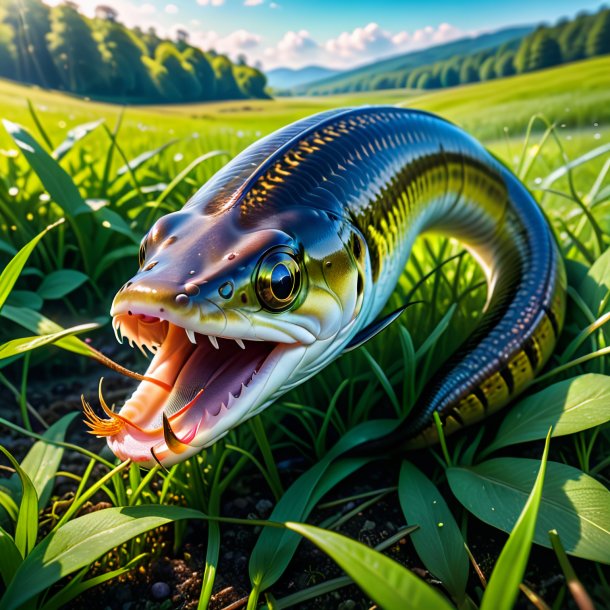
(345, 81)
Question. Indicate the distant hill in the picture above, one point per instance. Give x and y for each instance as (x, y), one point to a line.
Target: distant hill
(348, 80)
(286, 78)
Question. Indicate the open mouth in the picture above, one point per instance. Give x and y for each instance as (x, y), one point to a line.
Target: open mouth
(193, 383)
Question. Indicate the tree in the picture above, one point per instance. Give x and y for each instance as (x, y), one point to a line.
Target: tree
(74, 51)
(573, 39)
(178, 81)
(469, 72)
(505, 64)
(413, 78)
(123, 55)
(522, 58)
(8, 52)
(251, 82)
(449, 75)
(545, 51)
(106, 13)
(203, 71)
(598, 40)
(488, 69)
(29, 22)
(425, 81)
(226, 86)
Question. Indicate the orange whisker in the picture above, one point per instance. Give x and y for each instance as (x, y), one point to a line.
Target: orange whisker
(99, 426)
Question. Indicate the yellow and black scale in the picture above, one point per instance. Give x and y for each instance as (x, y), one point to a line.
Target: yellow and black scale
(394, 173)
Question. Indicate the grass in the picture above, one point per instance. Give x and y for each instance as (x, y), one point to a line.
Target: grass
(126, 177)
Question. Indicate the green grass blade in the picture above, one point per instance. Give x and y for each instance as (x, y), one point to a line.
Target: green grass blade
(438, 540)
(76, 587)
(26, 529)
(37, 323)
(53, 177)
(75, 135)
(385, 581)
(503, 586)
(43, 459)
(25, 344)
(10, 557)
(11, 272)
(81, 541)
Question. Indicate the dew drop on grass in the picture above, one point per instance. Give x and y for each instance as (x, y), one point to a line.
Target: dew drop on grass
(178, 157)
(597, 136)
(44, 197)
(106, 224)
(538, 180)
(440, 524)
(13, 191)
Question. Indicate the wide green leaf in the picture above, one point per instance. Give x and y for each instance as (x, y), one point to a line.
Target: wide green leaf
(26, 529)
(53, 177)
(10, 557)
(135, 163)
(13, 269)
(25, 344)
(503, 586)
(43, 459)
(569, 406)
(573, 503)
(83, 540)
(58, 284)
(596, 284)
(386, 582)
(438, 540)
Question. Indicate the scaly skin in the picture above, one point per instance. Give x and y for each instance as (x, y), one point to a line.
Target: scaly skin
(339, 197)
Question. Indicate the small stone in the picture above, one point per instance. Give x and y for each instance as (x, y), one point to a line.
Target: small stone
(160, 590)
(263, 507)
(368, 526)
(349, 506)
(348, 604)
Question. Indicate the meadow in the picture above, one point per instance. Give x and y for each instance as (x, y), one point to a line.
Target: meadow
(223, 529)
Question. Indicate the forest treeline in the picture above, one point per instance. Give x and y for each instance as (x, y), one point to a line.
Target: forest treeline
(58, 47)
(587, 35)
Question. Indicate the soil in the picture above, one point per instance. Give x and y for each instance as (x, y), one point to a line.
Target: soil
(172, 580)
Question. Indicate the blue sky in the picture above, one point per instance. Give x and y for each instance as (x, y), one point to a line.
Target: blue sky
(336, 33)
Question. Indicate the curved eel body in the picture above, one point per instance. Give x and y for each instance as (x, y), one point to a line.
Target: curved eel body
(295, 246)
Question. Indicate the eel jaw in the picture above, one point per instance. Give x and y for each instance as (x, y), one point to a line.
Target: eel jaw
(209, 384)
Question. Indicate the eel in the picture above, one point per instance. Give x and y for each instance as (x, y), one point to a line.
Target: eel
(286, 258)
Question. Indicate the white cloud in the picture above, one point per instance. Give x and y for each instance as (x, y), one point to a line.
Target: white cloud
(148, 9)
(234, 44)
(361, 45)
(171, 9)
(252, 2)
(274, 5)
(211, 2)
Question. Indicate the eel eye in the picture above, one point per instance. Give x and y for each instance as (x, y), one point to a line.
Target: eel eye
(278, 280)
(142, 254)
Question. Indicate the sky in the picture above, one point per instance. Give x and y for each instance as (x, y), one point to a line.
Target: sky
(336, 34)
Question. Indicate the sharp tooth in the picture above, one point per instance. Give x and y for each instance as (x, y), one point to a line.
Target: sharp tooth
(241, 390)
(240, 343)
(230, 401)
(191, 335)
(213, 341)
(117, 333)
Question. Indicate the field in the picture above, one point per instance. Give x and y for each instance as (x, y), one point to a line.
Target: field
(64, 526)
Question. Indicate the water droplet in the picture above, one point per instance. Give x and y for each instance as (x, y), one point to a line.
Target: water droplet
(13, 191)
(178, 157)
(440, 524)
(597, 136)
(106, 224)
